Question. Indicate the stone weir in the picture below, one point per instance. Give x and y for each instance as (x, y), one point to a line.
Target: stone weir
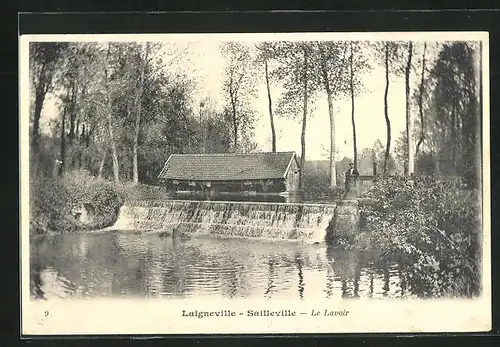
(284, 221)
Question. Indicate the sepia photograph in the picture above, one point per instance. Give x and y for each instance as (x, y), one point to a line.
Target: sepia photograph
(255, 183)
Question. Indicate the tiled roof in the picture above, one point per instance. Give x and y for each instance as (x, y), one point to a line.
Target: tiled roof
(226, 167)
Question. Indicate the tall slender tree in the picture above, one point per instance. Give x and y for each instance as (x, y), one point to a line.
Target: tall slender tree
(389, 54)
(331, 57)
(240, 90)
(265, 55)
(386, 109)
(351, 90)
(420, 101)
(143, 56)
(299, 78)
(410, 169)
(62, 144)
(305, 81)
(109, 114)
(44, 58)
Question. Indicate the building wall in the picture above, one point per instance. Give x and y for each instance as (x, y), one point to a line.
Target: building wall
(292, 179)
(259, 186)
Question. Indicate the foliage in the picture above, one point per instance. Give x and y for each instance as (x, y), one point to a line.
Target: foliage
(331, 60)
(47, 204)
(240, 91)
(379, 150)
(298, 76)
(458, 110)
(431, 226)
(143, 192)
(401, 152)
(45, 57)
(52, 202)
(317, 181)
(448, 95)
(390, 55)
(265, 56)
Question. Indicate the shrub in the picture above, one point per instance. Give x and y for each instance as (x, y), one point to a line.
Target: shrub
(431, 226)
(317, 186)
(52, 202)
(47, 204)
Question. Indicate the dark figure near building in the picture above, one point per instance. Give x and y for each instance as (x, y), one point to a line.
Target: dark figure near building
(349, 174)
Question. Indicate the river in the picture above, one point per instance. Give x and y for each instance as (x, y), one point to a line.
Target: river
(138, 265)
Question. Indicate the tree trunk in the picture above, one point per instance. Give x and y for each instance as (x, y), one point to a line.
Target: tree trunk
(109, 110)
(101, 165)
(386, 111)
(270, 104)
(420, 104)
(72, 121)
(82, 162)
(72, 114)
(351, 88)
(77, 129)
(87, 138)
(329, 96)
(333, 173)
(63, 166)
(135, 170)
(116, 172)
(35, 135)
(304, 124)
(409, 121)
(41, 89)
(235, 124)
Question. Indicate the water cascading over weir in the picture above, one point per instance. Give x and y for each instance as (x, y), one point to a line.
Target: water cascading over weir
(281, 221)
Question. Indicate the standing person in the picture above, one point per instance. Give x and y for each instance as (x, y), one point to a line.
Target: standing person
(57, 168)
(351, 172)
(348, 173)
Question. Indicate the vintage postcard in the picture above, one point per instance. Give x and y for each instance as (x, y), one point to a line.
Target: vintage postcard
(255, 183)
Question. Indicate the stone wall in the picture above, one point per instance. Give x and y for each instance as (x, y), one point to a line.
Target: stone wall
(345, 223)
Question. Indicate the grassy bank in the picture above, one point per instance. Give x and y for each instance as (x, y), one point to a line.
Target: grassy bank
(430, 226)
(53, 202)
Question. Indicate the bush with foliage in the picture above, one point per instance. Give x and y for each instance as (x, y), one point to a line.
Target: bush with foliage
(431, 226)
(317, 184)
(141, 191)
(47, 204)
(52, 201)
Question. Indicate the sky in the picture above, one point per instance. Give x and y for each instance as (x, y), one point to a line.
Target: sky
(205, 64)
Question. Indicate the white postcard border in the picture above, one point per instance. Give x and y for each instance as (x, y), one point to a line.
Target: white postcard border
(161, 316)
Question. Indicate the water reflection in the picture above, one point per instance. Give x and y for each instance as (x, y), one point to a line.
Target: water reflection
(298, 261)
(146, 265)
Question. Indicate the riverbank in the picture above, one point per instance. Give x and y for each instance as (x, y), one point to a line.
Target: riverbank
(74, 202)
(79, 201)
(432, 227)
